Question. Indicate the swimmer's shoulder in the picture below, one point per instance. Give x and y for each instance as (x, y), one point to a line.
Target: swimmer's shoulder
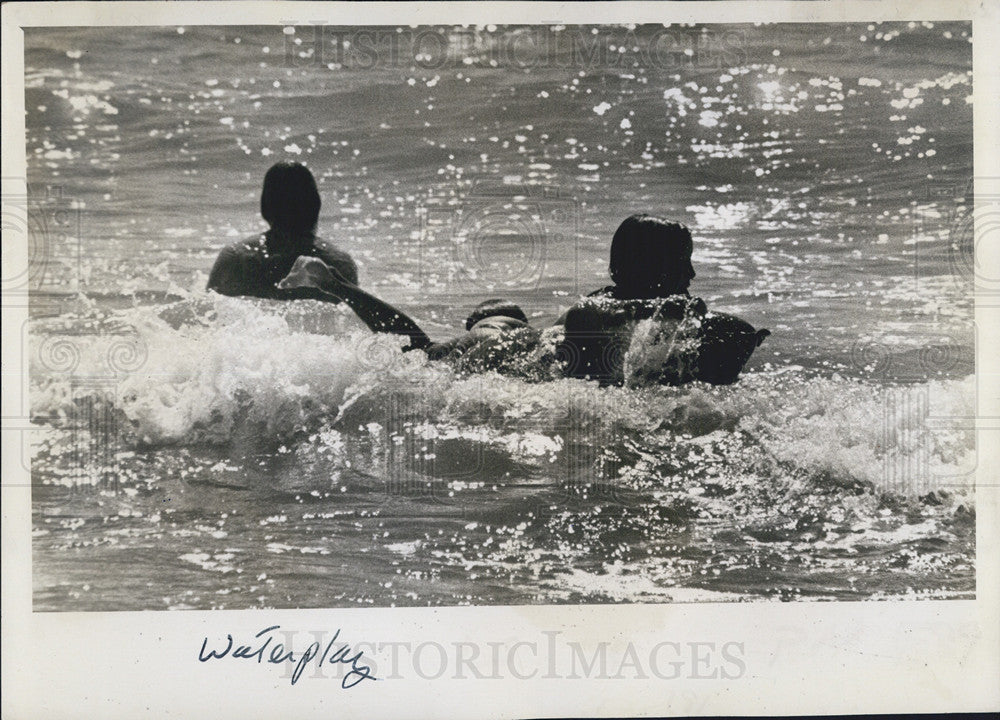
(248, 248)
(237, 269)
(596, 313)
(597, 308)
(603, 310)
(338, 259)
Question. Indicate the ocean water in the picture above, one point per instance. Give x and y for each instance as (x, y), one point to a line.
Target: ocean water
(196, 451)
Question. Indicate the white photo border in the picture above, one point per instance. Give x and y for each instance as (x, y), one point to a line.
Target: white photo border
(791, 658)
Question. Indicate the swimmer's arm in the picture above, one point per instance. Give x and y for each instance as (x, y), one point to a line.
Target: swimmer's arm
(380, 316)
(308, 280)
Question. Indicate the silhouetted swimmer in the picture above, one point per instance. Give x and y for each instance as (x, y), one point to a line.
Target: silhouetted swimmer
(290, 204)
(651, 268)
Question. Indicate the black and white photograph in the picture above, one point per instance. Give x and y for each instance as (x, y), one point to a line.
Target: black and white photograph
(552, 312)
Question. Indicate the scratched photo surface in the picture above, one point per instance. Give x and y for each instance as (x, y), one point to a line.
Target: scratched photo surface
(197, 451)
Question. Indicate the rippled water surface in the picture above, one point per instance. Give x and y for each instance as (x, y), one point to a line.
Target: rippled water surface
(194, 451)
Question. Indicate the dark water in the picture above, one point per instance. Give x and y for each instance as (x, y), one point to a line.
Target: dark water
(194, 451)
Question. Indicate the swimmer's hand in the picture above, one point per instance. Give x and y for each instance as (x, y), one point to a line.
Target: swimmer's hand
(311, 278)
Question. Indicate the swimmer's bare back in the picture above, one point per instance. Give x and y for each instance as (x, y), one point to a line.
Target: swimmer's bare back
(708, 346)
(598, 331)
(250, 269)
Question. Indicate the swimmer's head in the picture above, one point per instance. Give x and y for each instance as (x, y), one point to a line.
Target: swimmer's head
(495, 307)
(290, 200)
(651, 257)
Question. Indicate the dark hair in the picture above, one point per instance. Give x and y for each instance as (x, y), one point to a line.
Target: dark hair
(495, 307)
(643, 246)
(290, 200)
